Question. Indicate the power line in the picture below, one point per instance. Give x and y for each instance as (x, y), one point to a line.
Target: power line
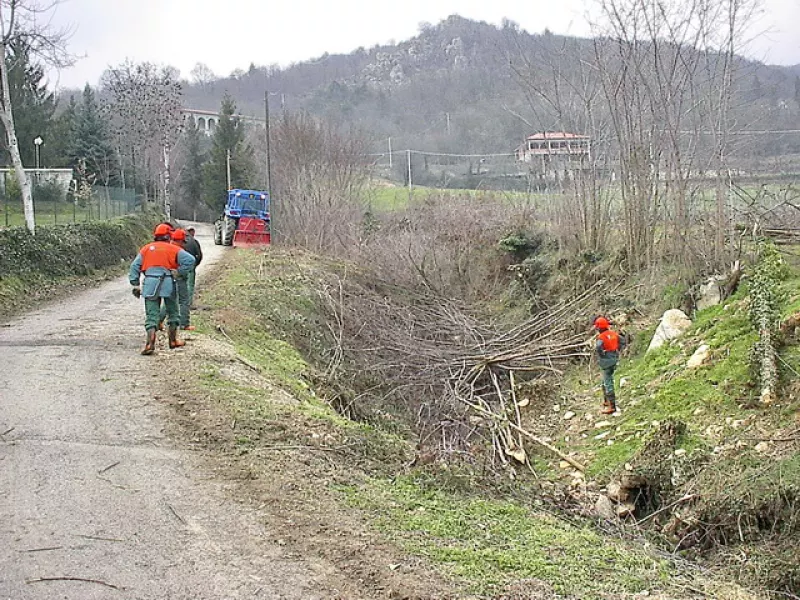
(424, 153)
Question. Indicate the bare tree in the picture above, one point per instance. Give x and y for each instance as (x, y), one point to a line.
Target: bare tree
(668, 71)
(146, 109)
(320, 172)
(27, 21)
(654, 91)
(202, 74)
(564, 93)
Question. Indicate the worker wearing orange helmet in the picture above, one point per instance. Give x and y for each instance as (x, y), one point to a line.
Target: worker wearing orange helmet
(178, 237)
(608, 346)
(161, 263)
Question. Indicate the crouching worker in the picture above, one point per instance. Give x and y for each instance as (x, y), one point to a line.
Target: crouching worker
(161, 263)
(608, 346)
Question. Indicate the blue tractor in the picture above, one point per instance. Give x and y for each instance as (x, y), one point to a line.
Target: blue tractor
(245, 221)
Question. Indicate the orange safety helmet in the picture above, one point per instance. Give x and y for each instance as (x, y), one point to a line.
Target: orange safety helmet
(162, 230)
(179, 235)
(601, 323)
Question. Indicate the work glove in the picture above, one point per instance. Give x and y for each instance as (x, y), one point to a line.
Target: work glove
(136, 291)
(175, 274)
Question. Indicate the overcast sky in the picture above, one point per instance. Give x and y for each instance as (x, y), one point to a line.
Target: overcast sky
(230, 34)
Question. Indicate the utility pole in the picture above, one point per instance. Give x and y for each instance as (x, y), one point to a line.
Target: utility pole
(448, 123)
(267, 140)
(390, 153)
(269, 163)
(408, 160)
(228, 167)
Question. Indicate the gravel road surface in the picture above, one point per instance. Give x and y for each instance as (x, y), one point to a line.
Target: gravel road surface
(96, 500)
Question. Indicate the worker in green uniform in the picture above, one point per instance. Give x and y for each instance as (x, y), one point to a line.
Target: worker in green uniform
(178, 238)
(192, 246)
(608, 345)
(161, 263)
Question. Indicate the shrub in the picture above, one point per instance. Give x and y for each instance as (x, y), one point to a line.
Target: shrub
(73, 249)
(13, 191)
(522, 245)
(48, 191)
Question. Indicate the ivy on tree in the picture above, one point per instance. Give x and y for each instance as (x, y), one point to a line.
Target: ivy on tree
(765, 302)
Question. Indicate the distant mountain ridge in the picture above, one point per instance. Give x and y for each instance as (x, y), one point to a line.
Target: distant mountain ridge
(451, 88)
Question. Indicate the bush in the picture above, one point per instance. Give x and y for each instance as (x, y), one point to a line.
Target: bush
(48, 191)
(522, 245)
(13, 191)
(74, 249)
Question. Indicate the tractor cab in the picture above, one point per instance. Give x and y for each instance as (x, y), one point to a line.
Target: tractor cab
(245, 221)
(247, 203)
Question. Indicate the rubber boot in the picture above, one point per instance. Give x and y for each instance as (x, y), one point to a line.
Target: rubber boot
(174, 342)
(150, 344)
(609, 404)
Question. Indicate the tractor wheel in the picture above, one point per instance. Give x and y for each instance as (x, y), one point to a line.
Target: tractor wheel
(228, 229)
(218, 233)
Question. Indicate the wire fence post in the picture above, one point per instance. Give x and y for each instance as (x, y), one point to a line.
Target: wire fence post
(410, 183)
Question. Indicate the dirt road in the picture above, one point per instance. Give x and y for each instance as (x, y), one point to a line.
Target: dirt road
(96, 500)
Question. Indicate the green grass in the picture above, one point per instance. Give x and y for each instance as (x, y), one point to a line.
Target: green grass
(272, 316)
(388, 198)
(492, 543)
(659, 387)
(396, 196)
(47, 213)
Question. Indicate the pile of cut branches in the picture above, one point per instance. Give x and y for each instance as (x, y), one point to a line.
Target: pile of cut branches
(456, 375)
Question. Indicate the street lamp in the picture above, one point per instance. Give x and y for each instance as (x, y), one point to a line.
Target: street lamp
(38, 142)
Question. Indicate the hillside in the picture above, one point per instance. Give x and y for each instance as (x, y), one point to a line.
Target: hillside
(458, 87)
(712, 475)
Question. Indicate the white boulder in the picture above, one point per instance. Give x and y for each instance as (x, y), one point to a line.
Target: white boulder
(673, 324)
(700, 356)
(710, 293)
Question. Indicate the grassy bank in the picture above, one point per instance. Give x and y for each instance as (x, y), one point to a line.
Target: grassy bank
(487, 542)
(720, 469)
(62, 257)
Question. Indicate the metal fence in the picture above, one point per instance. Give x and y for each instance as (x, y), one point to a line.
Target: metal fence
(53, 205)
(500, 172)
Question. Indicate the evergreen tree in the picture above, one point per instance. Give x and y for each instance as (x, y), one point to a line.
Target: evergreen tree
(191, 178)
(56, 150)
(33, 104)
(91, 142)
(228, 137)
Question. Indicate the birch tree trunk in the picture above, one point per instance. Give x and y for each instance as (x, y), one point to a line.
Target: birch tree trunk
(7, 118)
